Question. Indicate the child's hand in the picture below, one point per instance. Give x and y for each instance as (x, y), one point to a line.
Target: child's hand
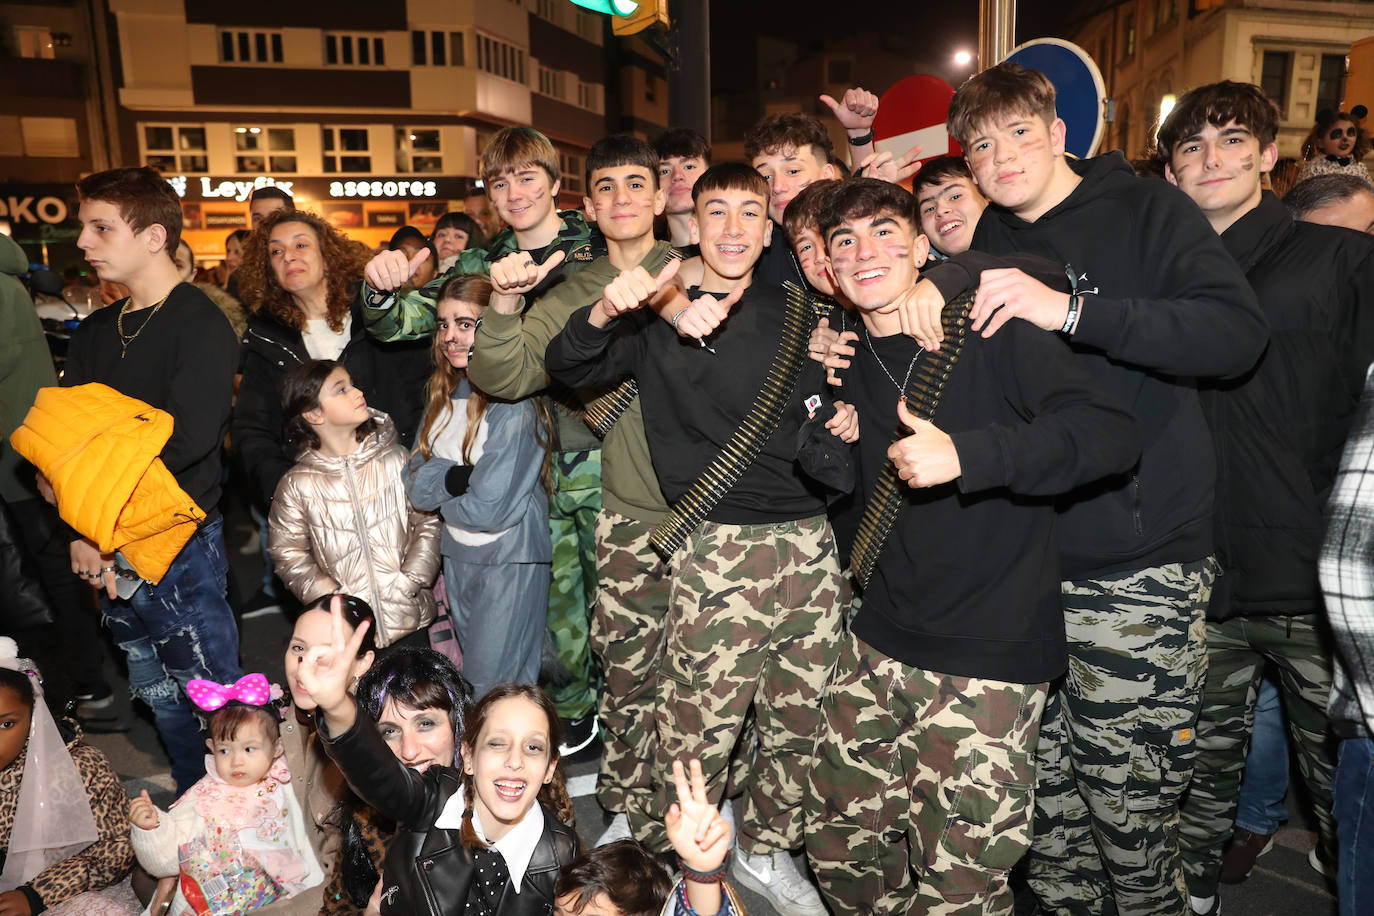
(700, 836)
(142, 812)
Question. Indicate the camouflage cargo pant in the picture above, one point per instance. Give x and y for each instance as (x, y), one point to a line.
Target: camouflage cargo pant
(628, 625)
(920, 795)
(1116, 744)
(754, 618)
(1237, 650)
(573, 509)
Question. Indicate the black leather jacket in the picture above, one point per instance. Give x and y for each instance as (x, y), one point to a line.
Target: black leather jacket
(427, 872)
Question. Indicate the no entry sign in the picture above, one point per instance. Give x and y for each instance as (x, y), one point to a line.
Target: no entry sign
(913, 113)
(1078, 89)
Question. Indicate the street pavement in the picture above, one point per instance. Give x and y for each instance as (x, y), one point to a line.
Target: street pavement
(1282, 884)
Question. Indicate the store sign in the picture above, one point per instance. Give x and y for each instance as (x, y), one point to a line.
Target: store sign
(34, 208)
(239, 190)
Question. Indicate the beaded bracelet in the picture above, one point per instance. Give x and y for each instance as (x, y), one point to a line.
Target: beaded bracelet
(679, 315)
(714, 876)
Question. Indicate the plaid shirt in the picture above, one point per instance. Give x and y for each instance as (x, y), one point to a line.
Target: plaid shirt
(1347, 572)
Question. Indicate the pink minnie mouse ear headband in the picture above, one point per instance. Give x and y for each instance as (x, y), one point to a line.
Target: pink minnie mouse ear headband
(249, 690)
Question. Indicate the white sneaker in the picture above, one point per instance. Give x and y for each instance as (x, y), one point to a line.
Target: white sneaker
(1205, 906)
(618, 829)
(1319, 865)
(775, 877)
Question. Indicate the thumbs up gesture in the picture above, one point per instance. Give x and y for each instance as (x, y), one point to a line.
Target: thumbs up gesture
(927, 457)
(515, 275)
(391, 270)
(631, 290)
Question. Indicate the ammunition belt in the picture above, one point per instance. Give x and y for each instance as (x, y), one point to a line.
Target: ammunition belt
(748, 440)
(922, 398)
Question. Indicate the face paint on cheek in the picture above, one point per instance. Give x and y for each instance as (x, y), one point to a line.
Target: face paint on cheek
(1248, 163)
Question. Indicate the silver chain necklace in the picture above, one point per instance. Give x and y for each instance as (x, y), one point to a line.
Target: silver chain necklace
(901, 389)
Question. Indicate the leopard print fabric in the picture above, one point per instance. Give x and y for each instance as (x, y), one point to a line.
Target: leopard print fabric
(106, 861)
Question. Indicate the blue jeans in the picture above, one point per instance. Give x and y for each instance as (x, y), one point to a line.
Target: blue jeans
(180, 629)
(1353, 806)
(1261, 809)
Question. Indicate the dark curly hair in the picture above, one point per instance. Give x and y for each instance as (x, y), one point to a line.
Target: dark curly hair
(344, 260)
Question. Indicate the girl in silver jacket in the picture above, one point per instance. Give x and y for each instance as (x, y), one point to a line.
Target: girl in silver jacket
(340, 520)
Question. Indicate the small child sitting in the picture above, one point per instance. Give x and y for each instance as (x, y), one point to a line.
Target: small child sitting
(624, 878)
(237, 839)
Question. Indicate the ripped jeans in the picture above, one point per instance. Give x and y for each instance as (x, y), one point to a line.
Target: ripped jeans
(179, 629)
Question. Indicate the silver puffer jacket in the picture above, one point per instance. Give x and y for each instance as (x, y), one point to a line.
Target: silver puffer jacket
(345, 525)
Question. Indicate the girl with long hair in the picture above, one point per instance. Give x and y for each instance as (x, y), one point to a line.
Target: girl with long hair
(482, 464)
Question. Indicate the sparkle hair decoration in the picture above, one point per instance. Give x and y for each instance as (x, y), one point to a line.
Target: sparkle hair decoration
(52, 817)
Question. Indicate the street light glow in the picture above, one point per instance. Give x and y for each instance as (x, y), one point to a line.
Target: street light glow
(963, 58)
(612, 7)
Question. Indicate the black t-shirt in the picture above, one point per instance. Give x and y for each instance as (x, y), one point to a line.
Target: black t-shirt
(182, 360)
(694, 400)
(968, 582)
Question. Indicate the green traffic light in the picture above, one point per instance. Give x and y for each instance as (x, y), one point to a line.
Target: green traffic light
(610, 7)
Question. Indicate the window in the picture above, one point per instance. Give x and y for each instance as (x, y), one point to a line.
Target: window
(175, 150)
(1331, 82)
(571, 166)
(1275, 71)
(249, 47)
(430, 48)
(34, 42)
(1123, 129)
(650, 88)
(498, 58)
(51, 137)
(552, 83)
(589, 96)
(547, 9)
(1163, 15)
(590, 26)
(419, 149)
(346, 149)
(265, 149)
(342, 49)
(1128, 35)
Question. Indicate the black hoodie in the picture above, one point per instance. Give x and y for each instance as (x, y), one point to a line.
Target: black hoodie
(1163, 303)
(1280, 428)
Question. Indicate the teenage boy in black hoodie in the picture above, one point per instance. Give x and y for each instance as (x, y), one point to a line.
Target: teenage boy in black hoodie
(1278, 432)
(1157, 299)
(754, 608)
(941, 681)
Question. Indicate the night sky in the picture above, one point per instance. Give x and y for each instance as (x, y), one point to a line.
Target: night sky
(930, 31)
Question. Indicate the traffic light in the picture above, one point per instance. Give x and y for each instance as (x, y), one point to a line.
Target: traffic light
(610, 7)
(649, 13)
(629, 17)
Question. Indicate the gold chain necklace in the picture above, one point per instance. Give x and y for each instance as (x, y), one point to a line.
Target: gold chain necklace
(119, 324)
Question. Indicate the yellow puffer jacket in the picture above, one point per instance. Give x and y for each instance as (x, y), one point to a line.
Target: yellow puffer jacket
(100, 450)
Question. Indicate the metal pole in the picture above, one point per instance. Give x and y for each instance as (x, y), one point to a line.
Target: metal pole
(689, 92)
(996, 31)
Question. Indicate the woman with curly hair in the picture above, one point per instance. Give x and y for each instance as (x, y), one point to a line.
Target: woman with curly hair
(299, 281)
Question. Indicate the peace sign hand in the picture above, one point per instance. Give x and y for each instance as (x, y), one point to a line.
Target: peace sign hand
(325, 671)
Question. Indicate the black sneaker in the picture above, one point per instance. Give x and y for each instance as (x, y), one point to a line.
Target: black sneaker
(261, 604)
(581, 739)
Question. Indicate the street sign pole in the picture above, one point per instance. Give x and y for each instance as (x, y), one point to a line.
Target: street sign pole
(996, 31)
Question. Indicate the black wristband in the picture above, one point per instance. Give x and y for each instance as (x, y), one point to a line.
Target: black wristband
(456, 480)
(862, 139)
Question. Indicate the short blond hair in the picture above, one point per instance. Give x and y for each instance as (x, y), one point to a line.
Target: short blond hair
(515, 148)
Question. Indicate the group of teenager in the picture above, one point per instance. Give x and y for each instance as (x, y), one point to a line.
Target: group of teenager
(940, 531)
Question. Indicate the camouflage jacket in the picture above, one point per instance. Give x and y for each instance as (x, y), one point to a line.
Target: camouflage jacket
(410, 315)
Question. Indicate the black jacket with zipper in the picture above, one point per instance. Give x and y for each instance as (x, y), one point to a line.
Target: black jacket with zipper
(427, 871)
(1280, 428)
(391, 376)
(1163, 303)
